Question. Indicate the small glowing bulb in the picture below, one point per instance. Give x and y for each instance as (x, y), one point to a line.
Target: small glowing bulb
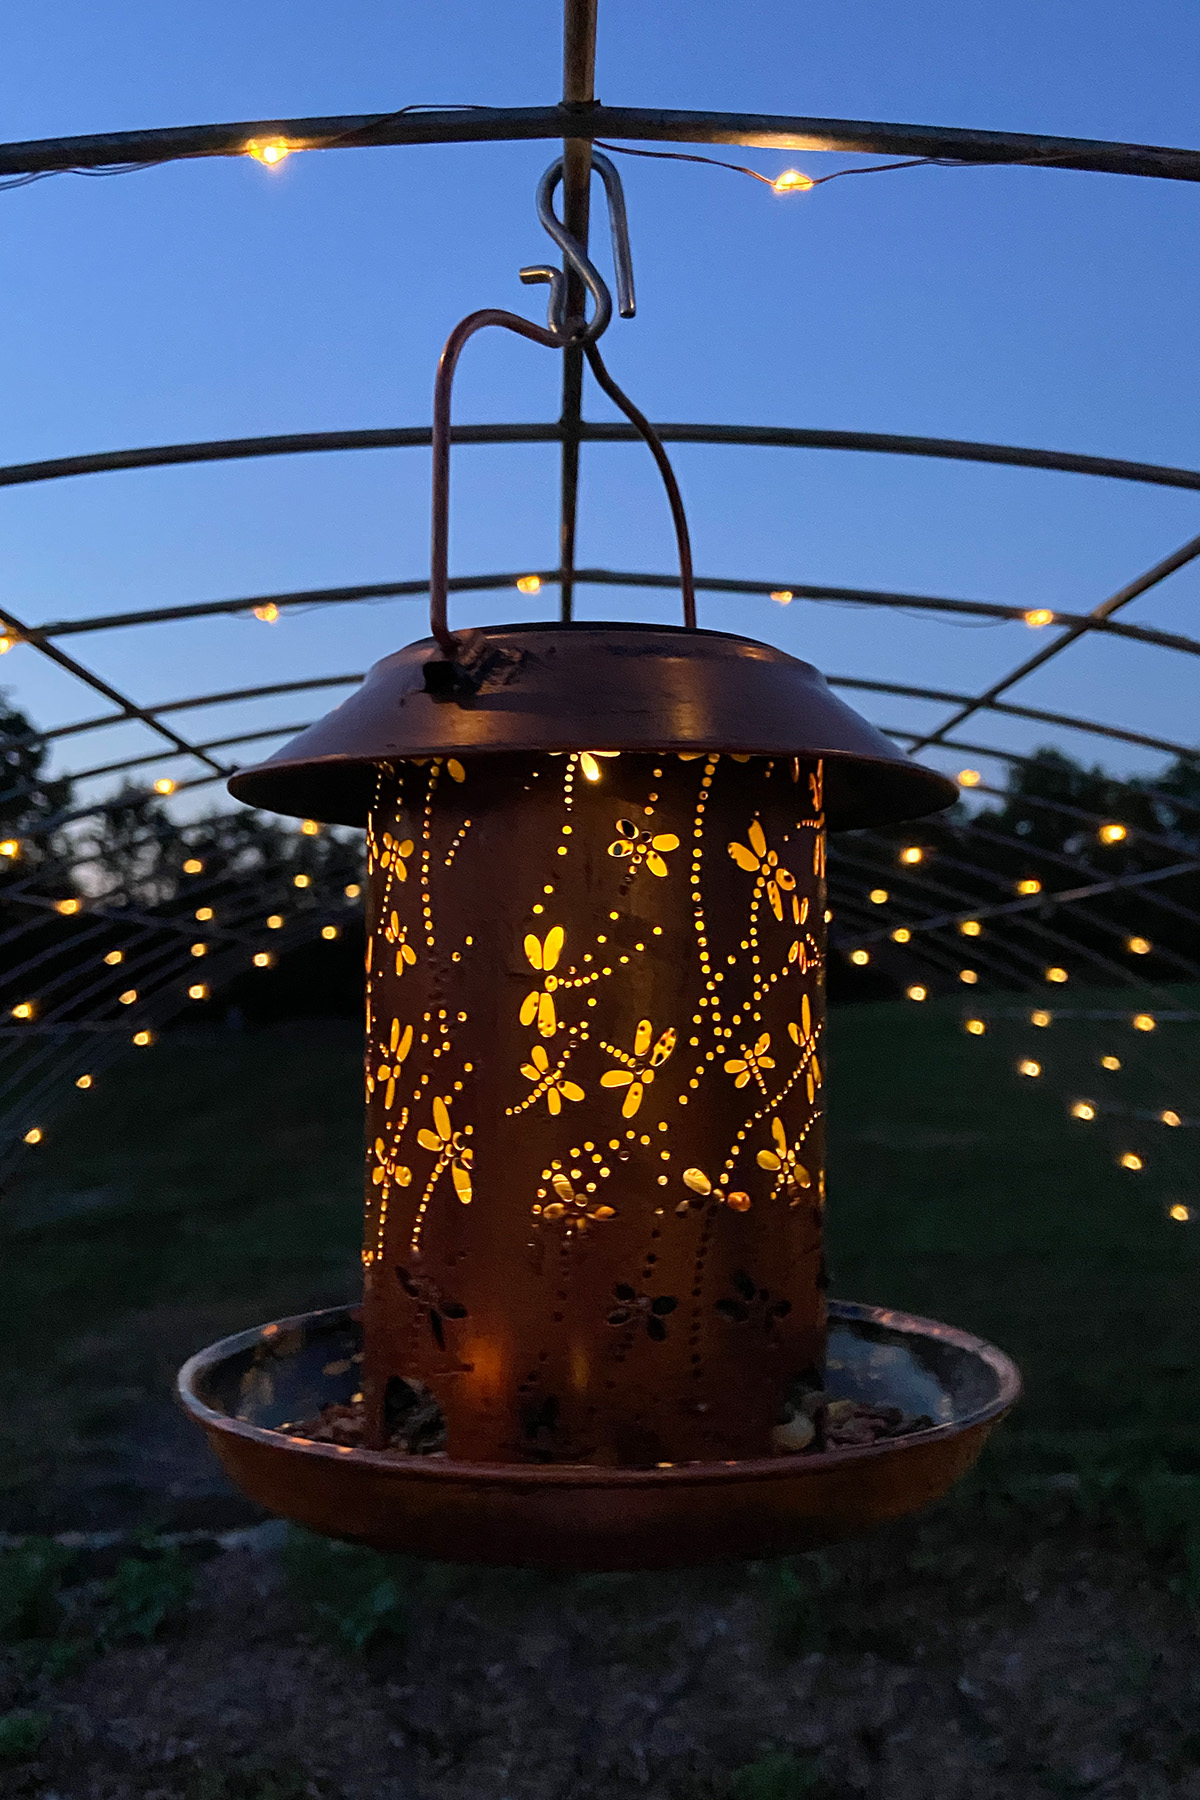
(275, 922)
(1110, 1062)
(1040, 1018)
(528, 584)
(272, 152)
(1057, 974)
(269, 613)
(1028, 1067)
(976, 1027)
(861, 957)
(1131, 1160)
(878, 896)
(10, 847)
(6, 642)
(1143, 1021)
(589, 765)
(310, 828)
(85, 1081)
(128, 997)
(912, 853)
(301, 881)
(971, 928)
(1030, 885)
(782, 596)
(329, 932)
(198, 991)
(1039, 616)
(1181, 1214)
(969, 778)
(66, 906)
(24, 1009)
(199, 949)
(193, 866)
(204, 913)
(969, 976)
(1112, 834)
(917, 993)
(142, 1038)
(1083, 1109)
(114, 957)
(164, 785)
(793, 181)
(1138, 946)
(1170, 1117)
(353, 891)
(902, 934)
(262, 959)
(34, 1136)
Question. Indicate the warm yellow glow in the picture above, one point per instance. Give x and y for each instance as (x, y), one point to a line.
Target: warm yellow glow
(1143, 1021)
(142, 1038)
(1110, 1062)
(1112, 834)
(164, 785)
(917, 993)
(85, 1081)
(7, 640)
(1131, 1160)
(10, 847)
(784, 596)
(198, 991)
(301, 881)
(1030, 885)
(204, 913)
(67, 906)
(861, 957)
(976, 1027)
(24, 1009)
(114, 957)
(1040, 1018)
(128, 997)
(1170, 1117)
(793, 181)
(193, 866)
(268, 613)
(1083, 1109)
(969, 778)
(275, 922)
(1057, 974)
(1138, 946)
(878, 896)
(588, 762)
(902, 934)
(330, 931)
(912, 853)
(1028, 1067)
(270, 151)
(34, 1136)
(528, 584)
(262, 959)
(969, 976)
(1180, 1213)
(310, 828)
(199, 949)
(1038, 616)
(353, 891)
(971, 928)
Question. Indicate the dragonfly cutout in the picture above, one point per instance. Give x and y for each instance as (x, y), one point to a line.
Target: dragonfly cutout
(542, 955)
(639, 1068)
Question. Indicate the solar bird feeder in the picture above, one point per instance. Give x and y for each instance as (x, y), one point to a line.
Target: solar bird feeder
(594, 1329)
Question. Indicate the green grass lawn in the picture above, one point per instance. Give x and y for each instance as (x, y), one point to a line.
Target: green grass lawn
(214, 1182)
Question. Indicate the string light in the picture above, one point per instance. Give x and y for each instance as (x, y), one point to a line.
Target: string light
(128, 997)
(67, 907)
(8, 640)
(275, 922)
(912, 853)
(1143, 1021)
(353, 891)
(1057, 974)
(1180, 1213)
(782, 596)
(1029, 1067)
(269, 614)
(1030, 885)
(976, 1027)
(34, 1136)
(1110, 1063)
(193, 866)
(262, 959)
(1083, 1109)
(310, 828)
(971, 928)
(84, 1081)
(793, 181)
(24, 1009)
(969, 778)
(1112, 834)
(271, 152)
(301, 881)
(204, 913)
(1130, 1160)
(142, 1038)
(529, 584)
(902, 935)
(199, 949)
(1039, 616)
(917, 993)
(1138, 946)
(878, 896)
(330, 932)
(164, 785)
(10, 847)
(969, 976)
(114, 957)
(861, 957)
(1040, 1018)
(1170, 1117)
(198, 991)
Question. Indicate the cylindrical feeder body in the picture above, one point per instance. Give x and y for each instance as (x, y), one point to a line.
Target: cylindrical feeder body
(595, 1070)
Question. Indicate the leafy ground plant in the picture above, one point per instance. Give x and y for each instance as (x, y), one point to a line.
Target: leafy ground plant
(779, 1775)
(145, 1594)
(355, 1596)
(22, 1735)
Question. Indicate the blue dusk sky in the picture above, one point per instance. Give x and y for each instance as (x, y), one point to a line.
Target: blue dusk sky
(217, 298)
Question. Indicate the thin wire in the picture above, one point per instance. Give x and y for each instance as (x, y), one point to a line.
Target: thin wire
(813, 181)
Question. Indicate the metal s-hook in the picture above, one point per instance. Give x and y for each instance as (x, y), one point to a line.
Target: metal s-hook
(577, 258)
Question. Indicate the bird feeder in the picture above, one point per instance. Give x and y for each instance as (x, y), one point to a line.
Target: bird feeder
(594, 1285)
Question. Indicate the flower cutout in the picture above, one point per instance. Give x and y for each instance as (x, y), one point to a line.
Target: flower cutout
(702, 1189)
(756, 859)
(750, 1064)
(393, 854)
(576, 1209)
(543, 955)
(638, 847)
(784, 1163)
(427, 1294)
(447, 1145)
(640, 1068)
(633, 1308)
(549, 1081)
(750, 1304)
(399, 1045)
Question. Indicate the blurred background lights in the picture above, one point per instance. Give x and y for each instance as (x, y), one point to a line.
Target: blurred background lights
(353, 891)
(193, 866)
(1110, 1062)
(10, 847)
(1040, 1018)
(1180, 1213)
(275, 922)
(782, 596)
(301, 881)
(917, 992)
(204, 913)
(128, 997)
(1143, 1022)
(1112, 833)
(1039, 616)
(198, 991)
(262, 959)
(84, 1081)
(970, 928)
(310, 828)
(878, 896)
(164, 785)
(199, 949)
(7, 640)
(269, 613)
(902, 935)
(861, 957)
(1056, 974)
(976, 1027)
(1083, 1109)
(529, 584)
(912, 853)
(34, 1136)
(1131, 1160)
(1138, 946)
(1028, 1067)
(142, 1038)
(969, 976)
(329, 932)
(24, 1009)
(114, 957)
(969, 778)
(66, 907)
(1170, 1117)
(1030, 885)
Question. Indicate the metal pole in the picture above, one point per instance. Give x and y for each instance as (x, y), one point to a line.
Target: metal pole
(579, 75)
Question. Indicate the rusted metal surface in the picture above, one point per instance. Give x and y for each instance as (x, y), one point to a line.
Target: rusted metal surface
(245, 1389)
(595, 1047)
(601, 687)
